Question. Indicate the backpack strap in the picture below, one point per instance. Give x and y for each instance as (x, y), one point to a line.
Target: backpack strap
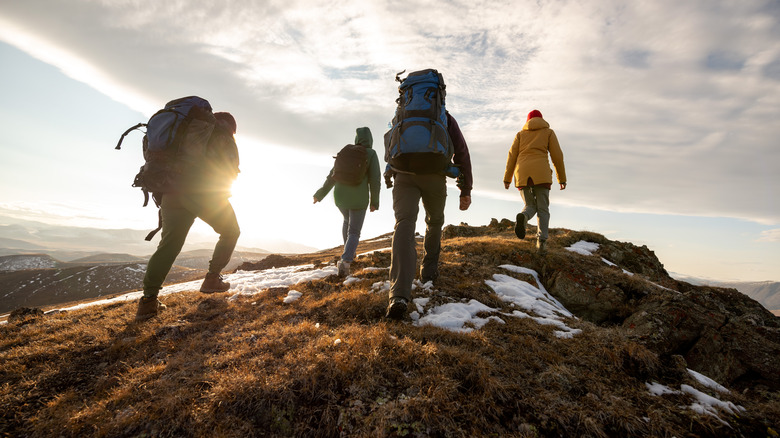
(119, 144)
(157, 197)
(156, 230)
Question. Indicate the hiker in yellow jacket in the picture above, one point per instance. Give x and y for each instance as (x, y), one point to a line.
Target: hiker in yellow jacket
(527, 162)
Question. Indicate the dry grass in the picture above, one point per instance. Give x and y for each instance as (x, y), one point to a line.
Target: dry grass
(330, 365)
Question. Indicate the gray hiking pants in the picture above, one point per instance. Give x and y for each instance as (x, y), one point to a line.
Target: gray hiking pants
(179, 212)
(537, 202)
(407, 192)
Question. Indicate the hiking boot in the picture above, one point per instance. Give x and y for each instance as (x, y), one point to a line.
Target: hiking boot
(213, 283)
(343, 268)
(397, 308)
(148, 307)
(425, 277)
(520, 226)
(541, 245)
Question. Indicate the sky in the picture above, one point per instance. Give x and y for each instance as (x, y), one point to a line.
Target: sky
(523, 300)
(666, 111)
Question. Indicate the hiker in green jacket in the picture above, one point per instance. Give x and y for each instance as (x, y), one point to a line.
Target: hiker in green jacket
(353, 200)
(206, 197)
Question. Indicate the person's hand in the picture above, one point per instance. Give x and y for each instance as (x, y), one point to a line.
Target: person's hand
(316, 200)
(373, 209)
(563, 186)
(465, 202)
(506, 185)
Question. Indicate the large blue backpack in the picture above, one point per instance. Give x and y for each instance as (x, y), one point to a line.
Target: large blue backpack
(418, 141)
(174, 147)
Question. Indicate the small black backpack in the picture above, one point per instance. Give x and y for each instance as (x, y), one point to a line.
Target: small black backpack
(351, 165)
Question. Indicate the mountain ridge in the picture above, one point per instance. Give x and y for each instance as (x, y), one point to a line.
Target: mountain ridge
(652, 356)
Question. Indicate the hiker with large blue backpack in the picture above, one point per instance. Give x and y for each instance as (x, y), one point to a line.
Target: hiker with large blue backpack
(423, 147)
(191, 161)
(356, 177)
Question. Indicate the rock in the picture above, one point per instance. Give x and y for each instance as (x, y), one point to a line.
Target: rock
(272, 261)
(24, 315)
(721, 333)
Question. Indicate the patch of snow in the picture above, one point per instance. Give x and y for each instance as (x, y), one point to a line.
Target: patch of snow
(701, 403)
(656, 389)
(456, 316)
(23, 262)
(351, 280)
(374, 269)
(376, 250)
(253, 282)
(583, 247)
(292, 295)
(707, 382)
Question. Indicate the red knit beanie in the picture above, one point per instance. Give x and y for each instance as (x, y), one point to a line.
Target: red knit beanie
(532, 114)
(228, 119)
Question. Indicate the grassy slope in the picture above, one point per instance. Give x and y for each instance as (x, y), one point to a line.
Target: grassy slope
(256, 366)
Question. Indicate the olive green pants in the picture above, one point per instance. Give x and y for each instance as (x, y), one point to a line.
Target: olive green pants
(179, 212)
(407, 192)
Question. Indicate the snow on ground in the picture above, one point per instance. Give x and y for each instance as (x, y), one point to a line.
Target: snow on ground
(292, 296)
(587, 248)
(458, 317)
(584, 248)
(706, 381)
(241, 283)
(535, 302)
(253, 282)
(545, 309)
(24, 262)
(701, 403)
(376, 250)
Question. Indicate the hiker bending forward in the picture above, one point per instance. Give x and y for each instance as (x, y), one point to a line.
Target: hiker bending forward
(353, 199)
(204, 194)
(527, 161)
(408, 189)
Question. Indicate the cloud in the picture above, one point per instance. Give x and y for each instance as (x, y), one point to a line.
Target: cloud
(770, 236)
(661, 107)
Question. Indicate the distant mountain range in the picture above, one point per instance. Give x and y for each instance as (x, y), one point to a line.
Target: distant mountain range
(765, 292)
(66, 243)
(43, 264)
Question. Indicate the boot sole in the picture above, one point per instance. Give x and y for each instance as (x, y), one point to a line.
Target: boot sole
(212, 291)
(520, 226)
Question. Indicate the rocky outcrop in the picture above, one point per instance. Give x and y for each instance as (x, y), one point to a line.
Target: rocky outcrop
(720, 332)
(271, 261)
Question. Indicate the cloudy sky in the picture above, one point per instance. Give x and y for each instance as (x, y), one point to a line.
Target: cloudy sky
(667, 111)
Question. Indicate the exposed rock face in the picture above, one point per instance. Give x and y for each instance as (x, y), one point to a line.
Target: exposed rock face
(721, 333)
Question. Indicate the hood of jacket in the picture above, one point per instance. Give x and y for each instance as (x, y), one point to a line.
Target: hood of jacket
(364, 137)
(535, 123)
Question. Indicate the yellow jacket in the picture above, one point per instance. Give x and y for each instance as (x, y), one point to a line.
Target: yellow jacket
(528, 155)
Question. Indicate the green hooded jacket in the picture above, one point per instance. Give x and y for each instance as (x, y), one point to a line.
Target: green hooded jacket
(367, 192)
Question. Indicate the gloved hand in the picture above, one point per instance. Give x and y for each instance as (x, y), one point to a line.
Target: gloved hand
(389, 179)
(460, 181)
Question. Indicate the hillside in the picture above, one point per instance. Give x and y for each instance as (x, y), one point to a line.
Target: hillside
(41, 281)
(592, 339)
